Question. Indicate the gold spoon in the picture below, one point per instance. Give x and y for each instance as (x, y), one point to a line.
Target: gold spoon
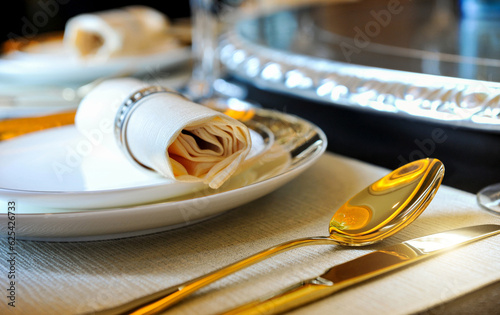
(377, 212)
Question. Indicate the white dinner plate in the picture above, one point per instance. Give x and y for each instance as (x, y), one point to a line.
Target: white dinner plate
(61, 170)
(48, 61)
(65, 189)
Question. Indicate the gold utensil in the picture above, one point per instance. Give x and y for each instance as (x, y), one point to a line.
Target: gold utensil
(11, 128)
(378, 211)
(365, 267)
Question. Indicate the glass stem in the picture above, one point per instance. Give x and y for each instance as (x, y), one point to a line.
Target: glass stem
(204, 48)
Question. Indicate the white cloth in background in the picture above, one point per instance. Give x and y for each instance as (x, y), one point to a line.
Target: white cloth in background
(125, 31)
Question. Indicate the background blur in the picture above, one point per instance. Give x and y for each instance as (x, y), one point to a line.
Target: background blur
(41, 16)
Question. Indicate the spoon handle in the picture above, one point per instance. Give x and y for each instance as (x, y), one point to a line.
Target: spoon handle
(161, 300)
(364, 268)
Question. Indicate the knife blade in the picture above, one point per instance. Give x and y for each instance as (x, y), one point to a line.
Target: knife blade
(365, 267)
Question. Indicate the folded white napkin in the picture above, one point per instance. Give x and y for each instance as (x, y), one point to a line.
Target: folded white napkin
(118, 32)
(166, 132)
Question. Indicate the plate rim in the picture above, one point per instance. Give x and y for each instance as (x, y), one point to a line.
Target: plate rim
(103, 191)
(11, 61)
(163, 216)
(293, 167)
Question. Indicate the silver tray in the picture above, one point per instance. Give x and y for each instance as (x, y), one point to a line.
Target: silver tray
(422, 60)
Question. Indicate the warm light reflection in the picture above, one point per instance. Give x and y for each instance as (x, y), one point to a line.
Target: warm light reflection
(239, 110)
(388, 205)
(239, 115)
(406, 174)
(351, 217)
(437, 242)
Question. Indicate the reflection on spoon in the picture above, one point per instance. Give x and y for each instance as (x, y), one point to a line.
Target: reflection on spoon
(388, 205)
(377, 212)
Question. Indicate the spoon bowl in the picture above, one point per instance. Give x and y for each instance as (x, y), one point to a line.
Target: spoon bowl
(388, 205)
(375, 213)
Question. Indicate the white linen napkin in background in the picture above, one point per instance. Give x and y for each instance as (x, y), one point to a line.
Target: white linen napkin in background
(118, 32)
(167, 133)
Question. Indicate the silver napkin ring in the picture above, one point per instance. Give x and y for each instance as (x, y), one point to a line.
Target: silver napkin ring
(125, 110)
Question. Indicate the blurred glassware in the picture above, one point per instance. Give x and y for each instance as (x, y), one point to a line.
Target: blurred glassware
(489, 198)
(211, 19)
(480, 19)
(483, 9)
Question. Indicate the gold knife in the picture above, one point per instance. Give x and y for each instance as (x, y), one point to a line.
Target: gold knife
(366, 267)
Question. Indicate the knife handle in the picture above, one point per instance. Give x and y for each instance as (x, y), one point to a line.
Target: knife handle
(290, 298)
(366, 267)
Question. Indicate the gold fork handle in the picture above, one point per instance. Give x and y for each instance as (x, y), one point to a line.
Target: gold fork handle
(157, 302)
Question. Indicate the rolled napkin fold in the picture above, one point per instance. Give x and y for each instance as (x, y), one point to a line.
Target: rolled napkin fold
(118, 32)
(163, 131)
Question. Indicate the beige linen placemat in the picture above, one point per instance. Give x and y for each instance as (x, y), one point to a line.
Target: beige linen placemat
(74, 278)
